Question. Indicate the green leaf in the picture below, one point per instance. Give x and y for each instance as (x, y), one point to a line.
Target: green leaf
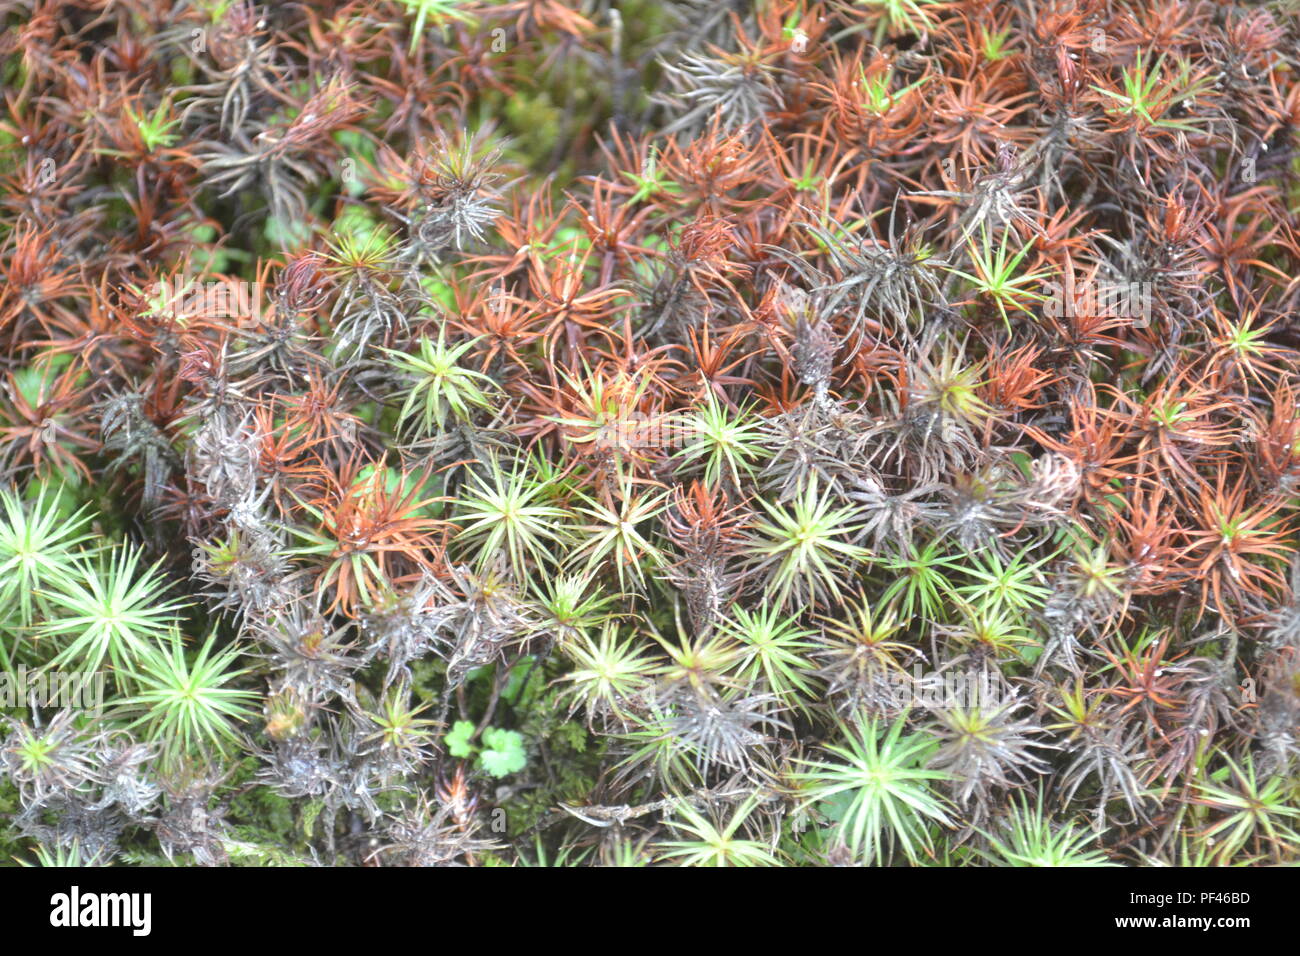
(503, 752)
(457, 739)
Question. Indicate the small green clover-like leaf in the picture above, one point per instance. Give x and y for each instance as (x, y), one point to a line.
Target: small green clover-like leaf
(503, 752)
(457, 738)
